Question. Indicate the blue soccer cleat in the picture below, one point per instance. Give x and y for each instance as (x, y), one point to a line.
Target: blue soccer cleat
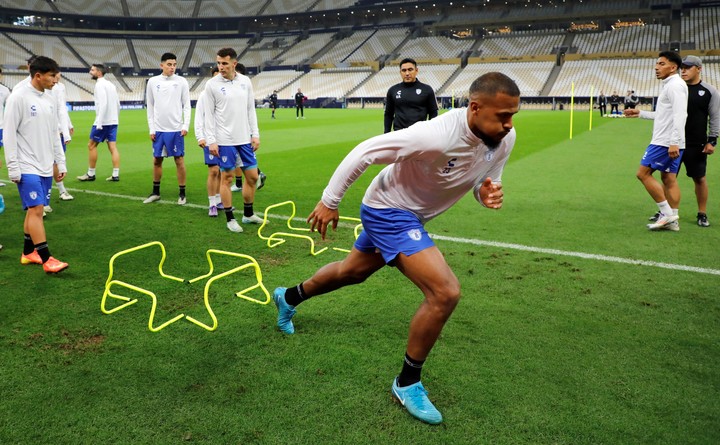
(285, 311)
(414, 398)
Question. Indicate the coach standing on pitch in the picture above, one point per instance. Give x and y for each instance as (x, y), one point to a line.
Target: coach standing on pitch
(409, 101)
(703, 104)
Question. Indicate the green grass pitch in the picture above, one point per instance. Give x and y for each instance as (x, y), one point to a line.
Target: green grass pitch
(577, 325)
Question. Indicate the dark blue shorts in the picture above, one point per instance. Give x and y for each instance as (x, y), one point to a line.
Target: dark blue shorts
(656, 157)
(108, 133)
(391, 232)
(168, 143)
(34, 190)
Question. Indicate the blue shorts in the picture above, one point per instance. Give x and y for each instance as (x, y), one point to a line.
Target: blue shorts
(233, 156)
(391, 232)
(656, 157)
(168, 143)
(34, 190)
(108, 133)
(1, 137)
(210, 160)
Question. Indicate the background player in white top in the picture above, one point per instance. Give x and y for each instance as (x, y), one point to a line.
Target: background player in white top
(66, 129)
(4, 94)
(231, 132)
(32, 145)
(213, 180)
(430, 166)
(668, 141)
(168, 115)
(105, 126)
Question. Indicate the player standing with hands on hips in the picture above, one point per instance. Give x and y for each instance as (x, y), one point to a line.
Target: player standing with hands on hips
(464, 149)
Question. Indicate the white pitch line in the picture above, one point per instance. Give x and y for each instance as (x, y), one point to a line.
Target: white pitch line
(589, 256)
(476, 242)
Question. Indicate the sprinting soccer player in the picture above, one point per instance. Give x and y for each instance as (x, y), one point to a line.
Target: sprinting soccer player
(213, 179)
(703, 108)
(409, 101)
(464, 149)
(668, 141)
(231, 132)
(168, 115)
(32, 145)
(107, 114)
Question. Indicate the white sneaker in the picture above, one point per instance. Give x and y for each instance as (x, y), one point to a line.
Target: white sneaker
(48, 209)
(674, 226)
(151, 198)
(182, 200)
(2, 184)
(65, 196)
(663, 221)
(234, 188)
(233, 226)
(252, 219)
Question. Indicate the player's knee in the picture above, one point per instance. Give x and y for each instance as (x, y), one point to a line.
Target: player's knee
(448, 295)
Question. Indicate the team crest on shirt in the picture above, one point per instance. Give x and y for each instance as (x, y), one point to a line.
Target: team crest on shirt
(489, 155)
(222, 90)
(418, 91)
(414, 234)
(701, 93)
(33, 110)
(33, 195)
(398, 94)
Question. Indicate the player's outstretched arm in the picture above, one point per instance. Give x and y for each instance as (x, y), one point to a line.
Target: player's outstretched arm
(321, 217)
(491, 194)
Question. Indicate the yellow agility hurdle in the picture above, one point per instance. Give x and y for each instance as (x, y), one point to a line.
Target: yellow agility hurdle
(241, 294)
(277, 238)
(129, 301)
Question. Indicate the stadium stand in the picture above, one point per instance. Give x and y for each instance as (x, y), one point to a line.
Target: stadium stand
(351, 48)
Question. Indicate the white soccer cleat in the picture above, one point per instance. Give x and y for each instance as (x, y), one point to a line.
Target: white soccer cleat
(234, 188)
(151, 198)
(252, 219)
(233, 226)
(182, 200)
(664, 222)
(65, 196)
(47, 209)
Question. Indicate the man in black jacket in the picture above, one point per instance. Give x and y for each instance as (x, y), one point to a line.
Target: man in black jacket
(409, 101)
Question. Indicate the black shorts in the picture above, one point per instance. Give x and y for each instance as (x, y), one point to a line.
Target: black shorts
(695, 160)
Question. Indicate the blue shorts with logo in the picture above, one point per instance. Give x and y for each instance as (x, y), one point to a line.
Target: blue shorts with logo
(1, 137)
(391, 232)
(656, 157)
(34, 190)
(108, 133)
(210, 159)
(168, 143)
(233, 156)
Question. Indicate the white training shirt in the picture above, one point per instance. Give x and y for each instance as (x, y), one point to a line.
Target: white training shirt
(229, 107)
(670, 113)
(168, 103)
(431, 165)
(32, 141)
(200, 117)
(4, 94)
(107, 103)
(64, 122)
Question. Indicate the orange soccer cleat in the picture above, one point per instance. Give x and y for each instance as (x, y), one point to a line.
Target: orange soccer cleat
(31, 258)
(54, 266)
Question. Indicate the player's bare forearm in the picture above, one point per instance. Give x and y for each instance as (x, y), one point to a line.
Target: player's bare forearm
(321, 217)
